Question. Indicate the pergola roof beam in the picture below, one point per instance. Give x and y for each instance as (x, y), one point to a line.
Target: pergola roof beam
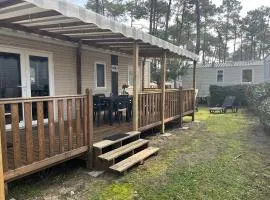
(62, 25)
(100, 37)
(14, 7)
(30, 19)
(69, 27)
(20, 12)
(9, 3)
(33, 16)
(97, 32)
(50, 22)
(111, 40)
(74, 31)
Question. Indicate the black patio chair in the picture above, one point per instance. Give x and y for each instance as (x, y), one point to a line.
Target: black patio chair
(99, 105)
(230, 103)
(121, 105)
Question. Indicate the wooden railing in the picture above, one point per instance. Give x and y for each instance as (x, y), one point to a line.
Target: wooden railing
(43, 131)
(172, 104)
(178, 103)
(188, 101)
(149, 109)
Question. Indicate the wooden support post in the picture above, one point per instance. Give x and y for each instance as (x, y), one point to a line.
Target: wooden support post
(135, 106)
(79, 68)
(194, 88)
(163, 89)
(90, 136)
(2, 182)
(143, 73)
(181, 102)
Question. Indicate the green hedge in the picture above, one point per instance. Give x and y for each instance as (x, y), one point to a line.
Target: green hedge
(218, 94)
(256, 97)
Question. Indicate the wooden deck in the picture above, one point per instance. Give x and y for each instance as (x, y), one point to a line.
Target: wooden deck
(69, 131)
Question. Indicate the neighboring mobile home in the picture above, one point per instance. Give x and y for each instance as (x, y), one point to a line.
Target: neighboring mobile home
(52, 55)
(229, 73)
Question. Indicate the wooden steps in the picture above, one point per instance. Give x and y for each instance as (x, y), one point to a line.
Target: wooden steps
(111, 155)
(121, 154)
(133, 160)
(105, 143)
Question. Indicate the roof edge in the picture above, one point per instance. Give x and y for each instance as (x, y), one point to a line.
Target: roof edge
(72, 10)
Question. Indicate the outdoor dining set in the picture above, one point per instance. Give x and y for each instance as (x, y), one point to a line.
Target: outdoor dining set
(112, 108)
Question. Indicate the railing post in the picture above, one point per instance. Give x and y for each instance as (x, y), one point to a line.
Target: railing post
(90, 131)
(181, 107)
(135, 86)
(194, 88)
(2, 182)
(163, 89)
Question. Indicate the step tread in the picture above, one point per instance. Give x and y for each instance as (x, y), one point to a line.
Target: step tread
(132, 160)
(105, 143)
(123, 150)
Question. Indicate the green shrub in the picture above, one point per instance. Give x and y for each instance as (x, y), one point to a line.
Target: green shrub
(264, 113)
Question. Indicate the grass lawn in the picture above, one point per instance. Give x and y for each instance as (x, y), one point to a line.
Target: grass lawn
(220, 157)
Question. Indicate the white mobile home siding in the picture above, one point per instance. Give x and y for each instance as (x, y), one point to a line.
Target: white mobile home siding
(267, 69)
(64, 60)
(206, 76)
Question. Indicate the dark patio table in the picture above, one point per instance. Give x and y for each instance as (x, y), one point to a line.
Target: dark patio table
(111, 103)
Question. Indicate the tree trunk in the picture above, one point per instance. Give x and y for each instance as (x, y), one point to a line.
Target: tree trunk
(182, 23)
(204, 42)
(241, 47)
(97, 6)
(235, 37)
(167, 20)
(151, 16)
(154, 17)
(198, 26)
(254, 50)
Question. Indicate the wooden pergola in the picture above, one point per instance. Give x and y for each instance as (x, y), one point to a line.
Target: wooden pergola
(63, 21)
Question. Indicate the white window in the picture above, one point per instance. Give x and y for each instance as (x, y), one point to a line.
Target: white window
(220, 75)
(130, 75)
(100, 75)
(247, 76)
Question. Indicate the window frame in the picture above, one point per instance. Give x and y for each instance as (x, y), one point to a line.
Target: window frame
(252, 75)
(222, 75)
(105, 72)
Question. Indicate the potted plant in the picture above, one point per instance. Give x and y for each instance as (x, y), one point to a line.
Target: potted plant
(124, 87)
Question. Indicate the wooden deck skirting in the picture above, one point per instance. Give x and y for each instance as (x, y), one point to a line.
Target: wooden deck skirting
(68, 132)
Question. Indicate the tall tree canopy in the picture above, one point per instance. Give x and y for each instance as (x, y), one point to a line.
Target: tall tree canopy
(216, 33)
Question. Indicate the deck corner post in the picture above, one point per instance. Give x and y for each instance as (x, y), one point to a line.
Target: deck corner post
(90, 158)
(135, 107)
(163, 89)
(79, 68)
(194, 90)
(181, 106)
(2, 180)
